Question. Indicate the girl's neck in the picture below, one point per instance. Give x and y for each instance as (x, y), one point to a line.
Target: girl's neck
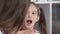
(24, 28)
(28, 28)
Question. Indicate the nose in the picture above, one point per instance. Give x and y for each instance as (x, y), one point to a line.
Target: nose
(29, 15)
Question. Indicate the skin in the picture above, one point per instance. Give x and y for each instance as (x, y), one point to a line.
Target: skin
(32, 14)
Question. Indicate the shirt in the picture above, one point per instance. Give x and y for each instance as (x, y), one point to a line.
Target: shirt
(37, 32)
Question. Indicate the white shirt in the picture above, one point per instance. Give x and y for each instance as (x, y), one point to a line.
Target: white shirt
(1, 32)
(37, 32)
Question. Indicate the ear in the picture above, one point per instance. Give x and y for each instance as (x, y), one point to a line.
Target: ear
(38, 17)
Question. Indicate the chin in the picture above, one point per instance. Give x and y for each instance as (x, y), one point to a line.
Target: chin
(29, 27)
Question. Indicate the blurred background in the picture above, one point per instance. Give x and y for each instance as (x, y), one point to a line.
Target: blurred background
(40, 0)
(55, 0)
(56, 18)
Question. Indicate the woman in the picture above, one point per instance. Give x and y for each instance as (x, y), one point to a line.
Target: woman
(11, 12)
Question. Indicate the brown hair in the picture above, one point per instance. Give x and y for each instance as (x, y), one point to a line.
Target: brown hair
(42, 21)
(12, 15)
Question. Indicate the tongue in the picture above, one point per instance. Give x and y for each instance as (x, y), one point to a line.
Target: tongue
(29, 22)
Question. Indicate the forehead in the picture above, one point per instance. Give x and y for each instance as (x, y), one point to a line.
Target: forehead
(32, 7)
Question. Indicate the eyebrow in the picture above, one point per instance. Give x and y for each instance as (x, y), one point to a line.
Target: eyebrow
(34, 11)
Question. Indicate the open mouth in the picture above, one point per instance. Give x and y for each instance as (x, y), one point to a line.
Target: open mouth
(29, 21)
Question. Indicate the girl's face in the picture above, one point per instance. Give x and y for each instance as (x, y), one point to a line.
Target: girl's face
(31, 17)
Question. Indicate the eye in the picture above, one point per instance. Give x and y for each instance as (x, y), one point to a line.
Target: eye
(33, 13)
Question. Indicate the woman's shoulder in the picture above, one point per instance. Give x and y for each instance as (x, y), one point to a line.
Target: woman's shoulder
(1, 32)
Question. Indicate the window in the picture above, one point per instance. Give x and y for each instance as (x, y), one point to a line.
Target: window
(56, 12)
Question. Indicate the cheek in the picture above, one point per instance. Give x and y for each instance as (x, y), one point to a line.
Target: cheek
(35, 18)
(26, 17)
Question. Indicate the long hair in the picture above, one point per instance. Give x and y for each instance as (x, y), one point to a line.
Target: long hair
(11, 15)
(42, 21)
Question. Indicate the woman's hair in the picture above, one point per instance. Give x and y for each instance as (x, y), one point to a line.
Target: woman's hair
(42, 21)
(12, 15)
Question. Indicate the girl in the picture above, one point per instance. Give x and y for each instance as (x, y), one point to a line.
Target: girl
(33, 15)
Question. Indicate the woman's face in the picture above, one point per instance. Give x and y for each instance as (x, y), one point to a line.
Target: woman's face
(31, 17)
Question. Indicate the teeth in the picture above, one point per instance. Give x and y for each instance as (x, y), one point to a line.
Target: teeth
(29, 21)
